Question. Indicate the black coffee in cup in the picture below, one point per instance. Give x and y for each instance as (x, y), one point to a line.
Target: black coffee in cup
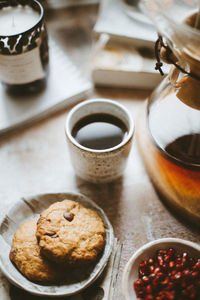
(99, 131)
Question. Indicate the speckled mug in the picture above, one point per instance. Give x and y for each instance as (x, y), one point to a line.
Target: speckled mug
(99, 166)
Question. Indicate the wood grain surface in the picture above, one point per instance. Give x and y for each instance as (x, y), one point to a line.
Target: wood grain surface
(36, 160)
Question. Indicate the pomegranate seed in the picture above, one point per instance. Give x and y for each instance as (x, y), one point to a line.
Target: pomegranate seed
(185, 255)
(149, 289)
(194, 274)
(190, 287)
(142, 272)
(160, 260)
(152, 276)
(171, 264)
(178, 260)
(165, 281)
(162, 293)
(150, 261)
(149, 297)
(167, 258)
(168, 276)
(143, 264)
(173, 272)
(170, 286)
(196, 266)
(176, 276)
(138, 285)
(145, 279)
(170, 296)
(184, 258)
(186, 272)
(193, 294)
(156, 270)
(179, 266)
(161, 252)
(171, 251)
(155, 282)
(151, 269)
(160, 275)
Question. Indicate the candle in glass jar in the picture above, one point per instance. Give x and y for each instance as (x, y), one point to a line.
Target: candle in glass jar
(17, 19)
(23, 45)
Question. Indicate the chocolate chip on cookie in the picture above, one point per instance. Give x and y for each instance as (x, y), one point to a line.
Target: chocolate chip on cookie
(51, 234)
(68, 216)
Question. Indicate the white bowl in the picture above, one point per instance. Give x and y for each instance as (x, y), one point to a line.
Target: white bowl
(147, 251)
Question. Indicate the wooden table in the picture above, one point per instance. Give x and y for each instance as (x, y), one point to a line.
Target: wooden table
(36, 160)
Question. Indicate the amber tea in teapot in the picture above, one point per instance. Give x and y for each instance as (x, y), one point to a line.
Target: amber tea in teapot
(173, 110)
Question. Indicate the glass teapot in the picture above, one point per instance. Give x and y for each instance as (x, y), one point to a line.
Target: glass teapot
(172, 150)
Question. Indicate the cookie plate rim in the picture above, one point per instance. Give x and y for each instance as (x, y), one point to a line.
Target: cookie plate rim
(33, 205)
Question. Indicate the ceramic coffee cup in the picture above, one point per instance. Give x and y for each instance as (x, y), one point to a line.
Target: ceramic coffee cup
(99, 166)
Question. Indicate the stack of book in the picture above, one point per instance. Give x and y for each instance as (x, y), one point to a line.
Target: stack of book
(58, 4)
(124, 51)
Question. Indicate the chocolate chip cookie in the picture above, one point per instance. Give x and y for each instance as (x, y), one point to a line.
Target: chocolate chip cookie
(67, 232)
(25, 254)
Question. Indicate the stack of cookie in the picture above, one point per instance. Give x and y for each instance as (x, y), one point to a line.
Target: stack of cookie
(67, 235)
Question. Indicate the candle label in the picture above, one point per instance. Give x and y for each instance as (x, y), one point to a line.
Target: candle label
(22, 68)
